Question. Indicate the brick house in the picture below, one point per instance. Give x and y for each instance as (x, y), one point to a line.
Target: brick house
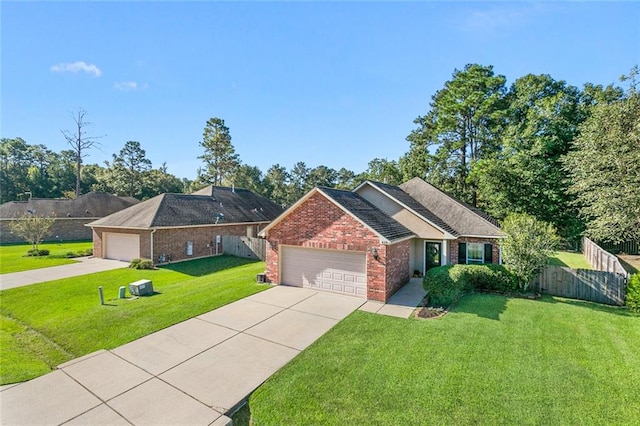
(71, 214)
(368, 242)
(175, 227)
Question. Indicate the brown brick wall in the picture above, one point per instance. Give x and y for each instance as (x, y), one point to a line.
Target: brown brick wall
(318, 223)
(454, 247)
(64, 229)
(173, 242)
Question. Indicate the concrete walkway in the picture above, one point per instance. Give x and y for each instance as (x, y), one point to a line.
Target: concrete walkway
(87, 265)
(194, 372)
(191, 373)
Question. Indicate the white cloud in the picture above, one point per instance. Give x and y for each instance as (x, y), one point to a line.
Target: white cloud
(76, 67)
(128, 86)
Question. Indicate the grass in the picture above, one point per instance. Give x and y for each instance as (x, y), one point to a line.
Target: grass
(492, 360)
(570, 259)
(63, 319)
(12, 257)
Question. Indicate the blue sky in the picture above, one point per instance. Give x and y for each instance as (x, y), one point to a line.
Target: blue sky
(334, 83)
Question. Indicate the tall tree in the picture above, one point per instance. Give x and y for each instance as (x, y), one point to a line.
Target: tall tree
(604, 170)
(464, 122)
(321, 176)
(80, 142)
(219, 156)
(345, 179)
(383, 170)
(298, 182)
(526, 176)
(131, 164)
(248, 177)
(276, 183)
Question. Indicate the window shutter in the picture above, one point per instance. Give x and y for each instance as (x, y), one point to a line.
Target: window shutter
(488, 253)
(462, 253)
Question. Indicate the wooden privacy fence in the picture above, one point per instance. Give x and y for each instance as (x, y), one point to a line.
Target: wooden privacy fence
(600, 259)
(583, 284)
(254, 248)
(628, 247)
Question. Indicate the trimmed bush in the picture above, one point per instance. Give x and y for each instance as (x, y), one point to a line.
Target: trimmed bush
(38, 252)
(633, 293)
(88, 252)
(141, 264)
(445, 284)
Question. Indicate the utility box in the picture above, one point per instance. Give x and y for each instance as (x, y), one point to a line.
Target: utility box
(141, 288)
(261, 278)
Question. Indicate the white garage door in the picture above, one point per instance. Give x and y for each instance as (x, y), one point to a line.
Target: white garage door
(122, 246)
(338, 271)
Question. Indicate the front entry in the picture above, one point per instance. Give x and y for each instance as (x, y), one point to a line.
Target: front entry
(432, 254)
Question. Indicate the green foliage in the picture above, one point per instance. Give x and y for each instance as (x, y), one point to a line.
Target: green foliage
(138, 263)
(633, 293)
(38, 252)
(220, 158)
(445, 284)
(604, 170)
(32, 228)
(464, 124)
(528, 245)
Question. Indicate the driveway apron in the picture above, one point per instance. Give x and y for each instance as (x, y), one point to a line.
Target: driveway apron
(194, 372)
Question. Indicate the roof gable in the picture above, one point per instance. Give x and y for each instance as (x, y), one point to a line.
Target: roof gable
(387, 229)
(407, 202)
(466, 220)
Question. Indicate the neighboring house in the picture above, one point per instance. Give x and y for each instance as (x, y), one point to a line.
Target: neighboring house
(71, 214)
(368, 242)
(175, 227)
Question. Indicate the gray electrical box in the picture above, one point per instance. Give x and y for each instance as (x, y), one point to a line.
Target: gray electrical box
(141, 288)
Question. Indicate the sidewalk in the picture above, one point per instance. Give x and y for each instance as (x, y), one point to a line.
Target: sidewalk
(87, 265)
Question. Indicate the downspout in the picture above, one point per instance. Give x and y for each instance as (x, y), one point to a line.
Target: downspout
(153, 231)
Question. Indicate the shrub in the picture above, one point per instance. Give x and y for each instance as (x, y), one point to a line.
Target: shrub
(633, 293)
(88, 252)
(447, 283)
(141, 264)
(38, 252)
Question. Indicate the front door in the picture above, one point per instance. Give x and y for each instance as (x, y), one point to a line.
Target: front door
(433, 255)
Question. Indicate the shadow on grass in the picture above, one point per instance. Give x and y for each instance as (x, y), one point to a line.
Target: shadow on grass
(484, 305)
(555, 261)
(627, 266)
(599, 307)
(208, 265)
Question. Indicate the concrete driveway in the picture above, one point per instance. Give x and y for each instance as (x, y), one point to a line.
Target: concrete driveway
(87, 265)
(194, 372)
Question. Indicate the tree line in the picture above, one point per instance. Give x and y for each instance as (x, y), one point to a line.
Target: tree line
(568, 156)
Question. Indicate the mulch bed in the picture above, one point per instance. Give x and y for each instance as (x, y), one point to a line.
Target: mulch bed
(424, 311)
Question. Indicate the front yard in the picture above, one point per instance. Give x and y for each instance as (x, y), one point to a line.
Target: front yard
(12, 257)
(492, 360)
(43, 325)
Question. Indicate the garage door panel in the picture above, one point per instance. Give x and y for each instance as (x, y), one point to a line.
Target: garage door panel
(122, 246)
(337, 271)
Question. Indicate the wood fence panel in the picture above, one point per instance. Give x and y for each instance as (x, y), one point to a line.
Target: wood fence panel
(583, 284)
(600, 259)
(628, 247)
(254, 248)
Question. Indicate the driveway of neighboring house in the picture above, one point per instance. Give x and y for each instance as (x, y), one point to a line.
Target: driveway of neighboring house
(87, 265)
(195, 372)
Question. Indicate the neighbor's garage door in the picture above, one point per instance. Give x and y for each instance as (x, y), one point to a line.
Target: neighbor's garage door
(122, 246)
(338, 271)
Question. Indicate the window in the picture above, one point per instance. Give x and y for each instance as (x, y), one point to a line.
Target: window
(189, 248)
(475, 253)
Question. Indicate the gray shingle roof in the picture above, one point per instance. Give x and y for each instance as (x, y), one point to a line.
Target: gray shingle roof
(90, 205)
(369, 214)
(175, 210)
(463, 218)
(410, 202)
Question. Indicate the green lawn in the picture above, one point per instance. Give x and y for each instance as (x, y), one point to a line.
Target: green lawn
(570, 259)
(12, 257)
(43, 325)
(492, 360)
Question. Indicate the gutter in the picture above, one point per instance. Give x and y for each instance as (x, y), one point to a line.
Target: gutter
(153, 231)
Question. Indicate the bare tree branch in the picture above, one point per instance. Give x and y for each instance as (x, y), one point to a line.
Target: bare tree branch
(80, 141)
